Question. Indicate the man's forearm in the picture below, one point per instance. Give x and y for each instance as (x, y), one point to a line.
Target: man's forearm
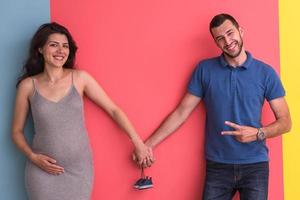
(169, 125)
(174, 120)
(278, 127)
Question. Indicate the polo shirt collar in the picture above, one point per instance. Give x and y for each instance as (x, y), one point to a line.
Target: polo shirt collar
(245, 65)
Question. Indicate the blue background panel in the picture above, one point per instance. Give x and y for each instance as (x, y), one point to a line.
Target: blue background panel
(19, 20)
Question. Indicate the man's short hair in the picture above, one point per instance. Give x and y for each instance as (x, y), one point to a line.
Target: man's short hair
(220, 18)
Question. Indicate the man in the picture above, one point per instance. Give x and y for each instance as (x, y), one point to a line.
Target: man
(233, 87)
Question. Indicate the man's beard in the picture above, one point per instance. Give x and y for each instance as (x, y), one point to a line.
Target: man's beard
(238, 53)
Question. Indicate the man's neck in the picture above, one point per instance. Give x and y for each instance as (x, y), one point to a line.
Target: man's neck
(237, 61)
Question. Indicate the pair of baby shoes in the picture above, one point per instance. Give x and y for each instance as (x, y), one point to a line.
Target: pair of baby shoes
(144, 182)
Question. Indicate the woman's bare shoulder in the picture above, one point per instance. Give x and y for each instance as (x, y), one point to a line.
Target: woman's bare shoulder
(81, 75)
(26, 86)
(26, 83)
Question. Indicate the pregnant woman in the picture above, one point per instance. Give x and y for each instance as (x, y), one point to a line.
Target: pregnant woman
(60, 163)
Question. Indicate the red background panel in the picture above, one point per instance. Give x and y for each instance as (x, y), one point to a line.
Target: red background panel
(143, 53)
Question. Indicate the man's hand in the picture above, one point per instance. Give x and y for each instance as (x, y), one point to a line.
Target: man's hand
(143, 156)
(242, 134)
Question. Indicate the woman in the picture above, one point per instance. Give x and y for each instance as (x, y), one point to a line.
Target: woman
(60, 162)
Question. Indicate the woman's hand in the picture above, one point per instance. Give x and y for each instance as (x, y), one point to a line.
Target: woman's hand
(46, 163)
(143, 155)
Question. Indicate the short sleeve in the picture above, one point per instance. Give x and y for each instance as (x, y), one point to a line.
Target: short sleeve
(274, 87)
(195, 83)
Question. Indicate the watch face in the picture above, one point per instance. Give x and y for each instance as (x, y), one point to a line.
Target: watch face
(260, 135)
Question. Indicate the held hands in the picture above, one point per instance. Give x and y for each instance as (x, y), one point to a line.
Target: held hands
(143, 155)
(242, 134)
(47, 164)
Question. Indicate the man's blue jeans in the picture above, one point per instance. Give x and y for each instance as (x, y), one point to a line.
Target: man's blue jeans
(224, 180)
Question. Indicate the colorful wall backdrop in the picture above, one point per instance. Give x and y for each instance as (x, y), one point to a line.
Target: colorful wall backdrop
(142, 53)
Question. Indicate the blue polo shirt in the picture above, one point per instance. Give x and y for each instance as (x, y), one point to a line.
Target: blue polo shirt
(236, 95)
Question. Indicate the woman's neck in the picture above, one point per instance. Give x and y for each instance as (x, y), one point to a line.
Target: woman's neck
(53, 75)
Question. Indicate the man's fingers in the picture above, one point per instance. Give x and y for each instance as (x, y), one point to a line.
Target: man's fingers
(231, 133)
(232, 125)
(146, 163)
(133, 157)
(149, 162)
(152, 159)
(140, 162)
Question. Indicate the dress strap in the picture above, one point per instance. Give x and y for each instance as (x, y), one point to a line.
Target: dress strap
(34, 87)
(33, 82)
(72, 78)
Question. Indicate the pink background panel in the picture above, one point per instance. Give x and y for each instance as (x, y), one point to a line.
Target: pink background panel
(142, 53)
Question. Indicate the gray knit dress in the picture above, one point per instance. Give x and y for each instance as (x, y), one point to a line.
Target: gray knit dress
(61, 134)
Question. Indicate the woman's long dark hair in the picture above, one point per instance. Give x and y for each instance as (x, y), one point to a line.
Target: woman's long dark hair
(35, 61)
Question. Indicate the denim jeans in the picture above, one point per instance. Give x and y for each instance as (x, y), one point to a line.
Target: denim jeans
(224, 180)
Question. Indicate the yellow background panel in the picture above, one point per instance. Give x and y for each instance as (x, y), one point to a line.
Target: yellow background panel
(289, 16)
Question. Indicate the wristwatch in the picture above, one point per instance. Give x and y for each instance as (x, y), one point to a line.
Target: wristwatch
(260, 135)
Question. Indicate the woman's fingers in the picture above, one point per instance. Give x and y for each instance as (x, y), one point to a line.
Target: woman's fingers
(47, 164)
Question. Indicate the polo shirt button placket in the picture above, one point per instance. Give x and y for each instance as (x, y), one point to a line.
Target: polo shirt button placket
(233, 80)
